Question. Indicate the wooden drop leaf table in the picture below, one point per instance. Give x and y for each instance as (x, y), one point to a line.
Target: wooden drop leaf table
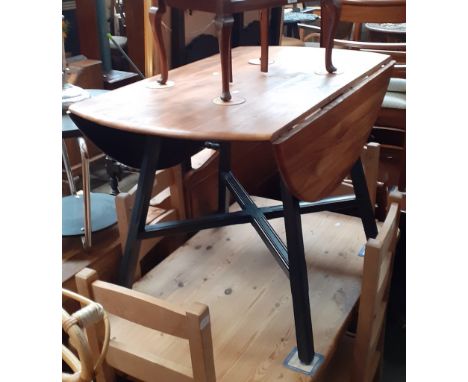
(316, 124)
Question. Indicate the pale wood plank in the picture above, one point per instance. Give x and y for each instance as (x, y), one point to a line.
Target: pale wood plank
(147, 369)
(141, 309)
(201, 344)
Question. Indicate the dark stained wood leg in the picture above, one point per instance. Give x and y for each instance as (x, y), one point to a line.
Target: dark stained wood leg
(224, 25)
(156, 12)
(230, 61)
(330, 13)
(264, 25)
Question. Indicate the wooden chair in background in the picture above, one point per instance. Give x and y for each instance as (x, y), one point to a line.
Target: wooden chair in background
(167, 204)
(359, 356)
(147, 319)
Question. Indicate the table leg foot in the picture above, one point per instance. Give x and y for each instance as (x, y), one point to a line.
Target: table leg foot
(224, 25)
(330, 16)
(293, 362)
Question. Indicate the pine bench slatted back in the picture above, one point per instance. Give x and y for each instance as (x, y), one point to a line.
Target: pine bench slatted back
(358, 358)
(192, 324)
(378, 264)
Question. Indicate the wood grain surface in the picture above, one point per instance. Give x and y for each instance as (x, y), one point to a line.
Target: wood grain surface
(330, 141)
(231, 271)
(275, 101)
(382, 11)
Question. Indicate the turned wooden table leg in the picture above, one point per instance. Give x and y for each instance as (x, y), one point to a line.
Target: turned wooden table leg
(224, 26)
(264, 25)
(156, 12)
(230, 60)
(330, 16)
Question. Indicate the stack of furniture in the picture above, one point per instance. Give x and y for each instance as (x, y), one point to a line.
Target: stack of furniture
(240, 329)
(258, 316)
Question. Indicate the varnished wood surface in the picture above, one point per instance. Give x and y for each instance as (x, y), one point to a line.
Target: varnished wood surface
(382, 11)
(275, 101)
(330, 141)
(248, 295)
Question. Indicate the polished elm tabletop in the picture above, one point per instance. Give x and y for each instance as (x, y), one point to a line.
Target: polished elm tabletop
(316, 122)
(294, 88)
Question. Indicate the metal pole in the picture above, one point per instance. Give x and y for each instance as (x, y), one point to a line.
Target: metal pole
(87, 243)
(68, 171)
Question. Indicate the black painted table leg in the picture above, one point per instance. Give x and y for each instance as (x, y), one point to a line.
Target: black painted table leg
(224, 168)
(140, 211)
(298, 276)
(364, 203)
